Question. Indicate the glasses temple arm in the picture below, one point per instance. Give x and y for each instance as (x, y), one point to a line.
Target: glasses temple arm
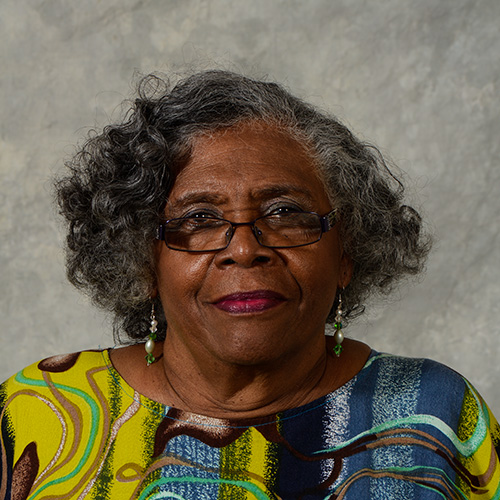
(329, 220)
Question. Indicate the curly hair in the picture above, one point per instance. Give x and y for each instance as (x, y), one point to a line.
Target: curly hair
(119, 180)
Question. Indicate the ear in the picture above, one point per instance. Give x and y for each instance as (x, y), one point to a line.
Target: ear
(345, 270)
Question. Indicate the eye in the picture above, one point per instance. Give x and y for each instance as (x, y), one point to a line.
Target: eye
(201, 214)
(284, 209)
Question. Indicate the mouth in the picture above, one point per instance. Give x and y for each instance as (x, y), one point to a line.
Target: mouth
(249, 302)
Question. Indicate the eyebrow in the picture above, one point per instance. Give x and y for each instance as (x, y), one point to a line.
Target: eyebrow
(264, 193)
(280, 190)
(197, 197)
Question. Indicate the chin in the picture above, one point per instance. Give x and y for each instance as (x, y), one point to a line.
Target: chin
(249, 350)
(253, 359)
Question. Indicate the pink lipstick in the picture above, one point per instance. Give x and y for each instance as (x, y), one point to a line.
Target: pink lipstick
(249, 302)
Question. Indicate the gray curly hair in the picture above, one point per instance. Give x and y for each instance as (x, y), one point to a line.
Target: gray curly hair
(115, 191)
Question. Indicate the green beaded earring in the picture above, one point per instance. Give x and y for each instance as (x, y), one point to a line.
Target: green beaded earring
(338, 335)
(150, 343)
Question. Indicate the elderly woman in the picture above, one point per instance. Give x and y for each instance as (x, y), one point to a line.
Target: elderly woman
(224, 223)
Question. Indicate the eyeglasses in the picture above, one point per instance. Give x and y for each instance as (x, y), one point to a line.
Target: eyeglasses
(210, 234)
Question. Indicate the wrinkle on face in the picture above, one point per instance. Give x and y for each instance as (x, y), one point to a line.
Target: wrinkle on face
(239, 174)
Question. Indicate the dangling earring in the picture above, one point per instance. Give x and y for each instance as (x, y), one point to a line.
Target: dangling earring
(150, 343)
(338, 336)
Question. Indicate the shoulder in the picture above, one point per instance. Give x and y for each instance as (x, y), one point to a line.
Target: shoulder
(410, 370)
(425, 385)
(43, 379)
(422, 392)
(63, 363)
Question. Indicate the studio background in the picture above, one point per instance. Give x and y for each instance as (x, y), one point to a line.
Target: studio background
(420, 79)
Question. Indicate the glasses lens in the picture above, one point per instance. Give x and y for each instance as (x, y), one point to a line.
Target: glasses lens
(288, 229)
(197, 234)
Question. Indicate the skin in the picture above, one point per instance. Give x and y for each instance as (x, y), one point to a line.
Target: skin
(246, 364)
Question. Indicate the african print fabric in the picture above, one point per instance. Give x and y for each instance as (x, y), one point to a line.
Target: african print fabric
(403, 428)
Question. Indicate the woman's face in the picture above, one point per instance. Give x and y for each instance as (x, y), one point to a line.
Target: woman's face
(248, 304)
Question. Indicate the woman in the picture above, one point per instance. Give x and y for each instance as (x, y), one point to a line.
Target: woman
(224, 223)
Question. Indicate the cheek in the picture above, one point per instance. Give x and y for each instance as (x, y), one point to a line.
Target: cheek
(321, 282)
(318, 276)
(180, 277)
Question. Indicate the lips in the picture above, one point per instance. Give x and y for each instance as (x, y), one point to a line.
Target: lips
(249, 302)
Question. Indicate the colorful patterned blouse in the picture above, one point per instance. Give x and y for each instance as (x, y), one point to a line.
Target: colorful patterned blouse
(71, 427)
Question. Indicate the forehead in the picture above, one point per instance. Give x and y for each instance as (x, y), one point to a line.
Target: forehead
(252, 158)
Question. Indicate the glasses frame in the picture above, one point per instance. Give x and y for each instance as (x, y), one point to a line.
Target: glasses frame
(326, 221)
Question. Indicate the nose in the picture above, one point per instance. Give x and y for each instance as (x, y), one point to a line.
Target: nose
(244, 248)
(235, 225)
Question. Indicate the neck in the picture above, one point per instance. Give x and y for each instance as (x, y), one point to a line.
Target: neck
(229, 390)
(234, 391)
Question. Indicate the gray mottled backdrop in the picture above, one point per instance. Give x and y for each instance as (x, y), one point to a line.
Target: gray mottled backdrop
(420, 79)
